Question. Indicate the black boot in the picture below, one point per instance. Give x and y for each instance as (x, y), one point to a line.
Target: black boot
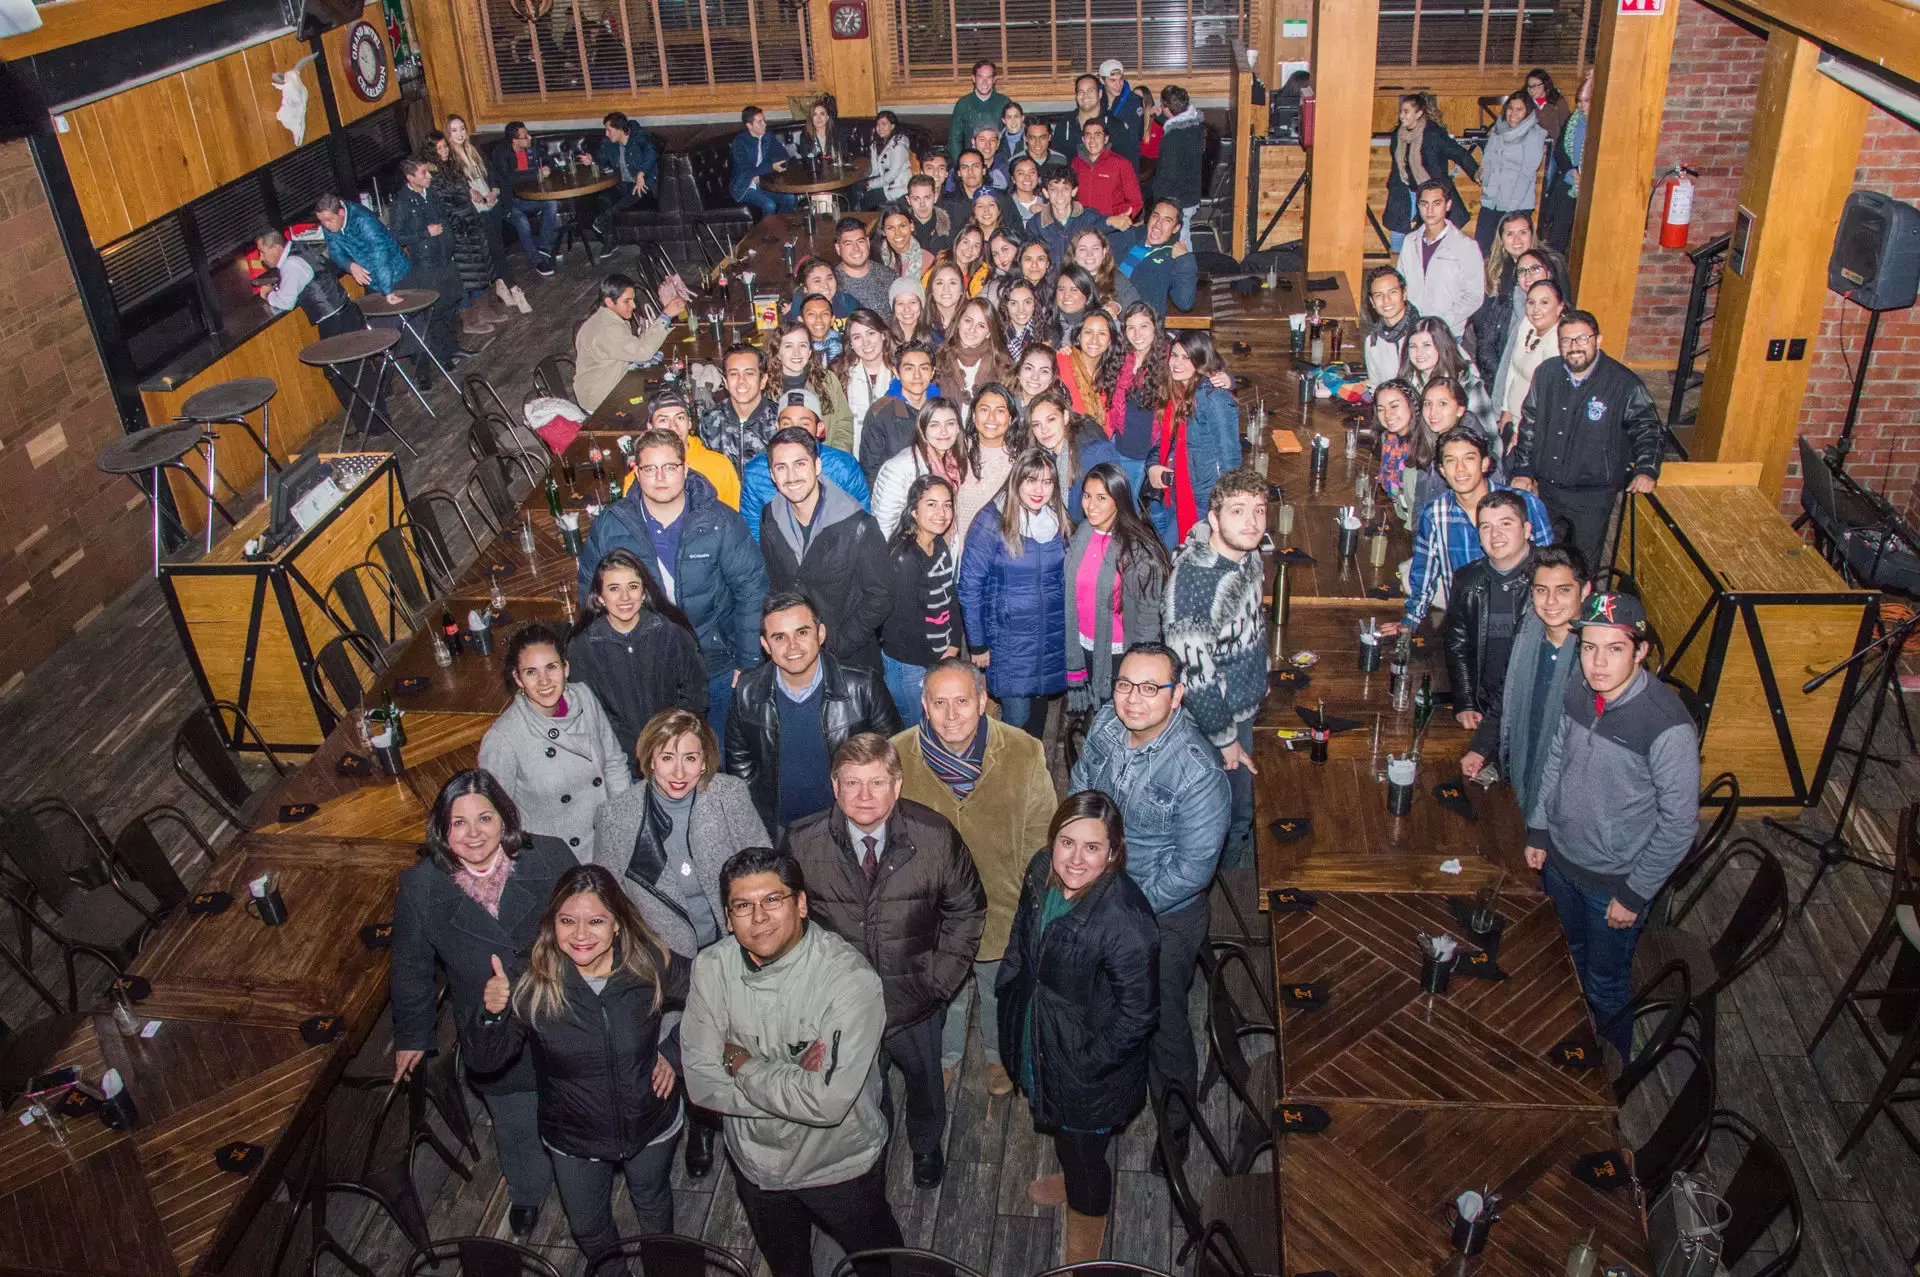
(699, 1149)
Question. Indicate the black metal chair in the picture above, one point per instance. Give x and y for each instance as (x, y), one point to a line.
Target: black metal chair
(1899, 925)
(1669, 996)
(487, 488)
(900, 1261)
(106, 919)
(1229, 1025)
(203, 740)
(667, 1255)
(478, 1257)
(1104, 1268)
(1243, 1202)
(336, 678)
(1760, 1188)
(24, 969)
(1218, 1253)
(139, 854)
(478, 397)
(1680, 1136)
(553, 377)
(1706, 845)
(1227, 921)
(484, 438)
(407, 568)
(369, 1154)
(428, 516)
(1755, 926)
(366, 599)
(26, 1052)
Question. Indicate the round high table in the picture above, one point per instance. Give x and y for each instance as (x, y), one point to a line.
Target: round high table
(229, 403)
(818, 185)
(161, 448)
(412, 301)
(343, 357)
(571, 184)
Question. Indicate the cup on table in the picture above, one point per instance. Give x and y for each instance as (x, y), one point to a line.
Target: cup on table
(1349, 535)
(1473, 1218)
(386, 754)
(263, 893)
(1435, 975)
(116, 1103)
(482, 637)
(569, 525)
(1369, 652)
(1401, 773)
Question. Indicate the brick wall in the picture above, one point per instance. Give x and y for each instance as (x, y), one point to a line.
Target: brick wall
(1711, 85)
(71, 538)
(1886, 454)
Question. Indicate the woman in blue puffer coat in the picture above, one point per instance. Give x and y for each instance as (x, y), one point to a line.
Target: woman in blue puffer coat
(1013, 592)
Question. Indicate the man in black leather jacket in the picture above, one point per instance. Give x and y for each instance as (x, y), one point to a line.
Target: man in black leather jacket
(1587, 430)
(1490, 598)
(790, 714)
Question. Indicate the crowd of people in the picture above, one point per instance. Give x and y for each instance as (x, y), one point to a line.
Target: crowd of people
(774, 818)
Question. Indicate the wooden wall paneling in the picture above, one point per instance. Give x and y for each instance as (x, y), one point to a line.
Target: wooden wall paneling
(1807, 131)
(846, 67)
(351, 105)
(1623, 130)
(89, 157)
(226, 118)
(262, 62)
(434, 30)
(77, 20)
(154, 150)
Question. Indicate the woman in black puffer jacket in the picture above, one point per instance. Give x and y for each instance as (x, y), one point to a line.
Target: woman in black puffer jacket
(1079, 992)
(600, 1003)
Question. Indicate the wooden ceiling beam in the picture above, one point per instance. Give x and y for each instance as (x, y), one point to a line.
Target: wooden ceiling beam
(1883, 33)
(74, 21)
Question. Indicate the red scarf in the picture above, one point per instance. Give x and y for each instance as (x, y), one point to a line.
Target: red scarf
(1173, 455)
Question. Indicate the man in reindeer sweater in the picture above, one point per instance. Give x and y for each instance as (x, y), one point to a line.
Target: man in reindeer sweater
(1216, 623)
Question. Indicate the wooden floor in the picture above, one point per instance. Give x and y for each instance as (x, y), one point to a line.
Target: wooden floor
(94, 725)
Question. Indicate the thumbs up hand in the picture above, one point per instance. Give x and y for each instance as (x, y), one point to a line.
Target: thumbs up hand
(497, 990)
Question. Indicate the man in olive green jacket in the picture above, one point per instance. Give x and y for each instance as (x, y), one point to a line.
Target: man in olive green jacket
(991, 782)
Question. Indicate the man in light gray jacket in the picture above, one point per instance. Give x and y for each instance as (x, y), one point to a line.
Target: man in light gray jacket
(781, 1036)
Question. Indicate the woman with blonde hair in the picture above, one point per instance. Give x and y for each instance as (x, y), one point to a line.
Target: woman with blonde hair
(593, 1006)
(472, 166)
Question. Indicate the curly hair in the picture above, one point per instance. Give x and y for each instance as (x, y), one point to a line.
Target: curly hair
(1045, 325)
(1150, 377)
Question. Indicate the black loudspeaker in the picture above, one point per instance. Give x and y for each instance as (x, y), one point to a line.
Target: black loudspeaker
(1876, 252)
(311, 17)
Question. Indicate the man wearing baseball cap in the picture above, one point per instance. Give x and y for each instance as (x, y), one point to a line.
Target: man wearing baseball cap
(1126, 111)
(1618, 804)
(670, 410)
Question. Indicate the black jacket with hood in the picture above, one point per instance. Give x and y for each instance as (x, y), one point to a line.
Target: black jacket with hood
(840, 562)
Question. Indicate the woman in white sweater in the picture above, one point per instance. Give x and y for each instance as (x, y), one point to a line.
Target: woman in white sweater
(993, 427)
(1537, 343)
(937, 448)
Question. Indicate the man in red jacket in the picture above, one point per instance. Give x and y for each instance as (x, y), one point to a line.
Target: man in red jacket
(1108, 184)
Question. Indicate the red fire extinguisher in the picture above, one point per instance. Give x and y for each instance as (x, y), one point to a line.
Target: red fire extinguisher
(1676, 212)
(1306, 116)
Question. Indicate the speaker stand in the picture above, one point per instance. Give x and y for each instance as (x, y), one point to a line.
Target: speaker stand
(1844, 444)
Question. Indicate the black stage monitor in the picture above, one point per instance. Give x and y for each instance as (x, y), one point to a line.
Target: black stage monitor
(289, 486)
(1876, 252)
(311, 17)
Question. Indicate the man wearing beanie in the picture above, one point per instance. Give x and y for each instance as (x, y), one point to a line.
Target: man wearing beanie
(1618, 804)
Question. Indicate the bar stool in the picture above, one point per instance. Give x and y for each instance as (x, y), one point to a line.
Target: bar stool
(343, 357)
(161, 448)
(412, 302)
(1898, 927)
(229, 403)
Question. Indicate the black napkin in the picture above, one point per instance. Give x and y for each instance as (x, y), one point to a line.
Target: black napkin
(1453, 796)
(1305, 997)
(1384, 592)
(352, 764)
(1333, 723)
(209, 902)
(1300, 1119)
(1325, 285)
(239, 1157)
(377, 935)
(409, 686)
(77, 1103)
(1290, 900)
(500, 569)
(294, 813)
(1479, 965)
(1291, 828)
(1242, 348)
(1290, 677)
(1576, 1053)
(1293, 556)
(1602, 1169)
(318, 1030)
(136, 987)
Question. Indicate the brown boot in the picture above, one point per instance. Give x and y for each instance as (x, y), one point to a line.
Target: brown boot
(473, 322)
(1049, 1190)
(496, 311)
(1085, 1235)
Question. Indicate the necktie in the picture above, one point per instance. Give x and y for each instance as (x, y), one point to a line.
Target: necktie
(870, 865)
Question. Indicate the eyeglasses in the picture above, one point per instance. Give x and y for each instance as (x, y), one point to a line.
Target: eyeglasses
(659, 472)
(1126, 687)
(1568, 340)
(768, 904)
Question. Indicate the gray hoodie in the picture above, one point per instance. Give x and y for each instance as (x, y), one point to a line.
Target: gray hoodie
(788, 1128)
(1619, 800)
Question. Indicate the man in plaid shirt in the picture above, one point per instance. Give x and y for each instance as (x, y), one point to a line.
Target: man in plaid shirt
(1447, 538)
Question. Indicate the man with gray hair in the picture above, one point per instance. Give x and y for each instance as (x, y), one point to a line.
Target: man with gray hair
(991, 782)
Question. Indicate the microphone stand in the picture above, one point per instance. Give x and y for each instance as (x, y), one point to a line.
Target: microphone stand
(1834, 849)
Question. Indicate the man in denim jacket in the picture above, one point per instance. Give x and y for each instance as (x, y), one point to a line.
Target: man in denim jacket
(1145, 752)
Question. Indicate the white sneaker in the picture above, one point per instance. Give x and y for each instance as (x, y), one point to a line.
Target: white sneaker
(519, 300)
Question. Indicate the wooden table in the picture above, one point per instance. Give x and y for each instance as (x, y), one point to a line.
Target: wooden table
(473, 684)
(565, 183)
(227, 1063)
(1198, 315)
(387, 807)
(799, 179)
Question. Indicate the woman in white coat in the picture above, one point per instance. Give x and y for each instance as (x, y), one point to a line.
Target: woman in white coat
(1509, 168)
(939, 447)
(1537, 342)
(892, 162)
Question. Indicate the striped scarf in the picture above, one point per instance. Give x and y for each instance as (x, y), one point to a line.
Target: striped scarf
(958, 772)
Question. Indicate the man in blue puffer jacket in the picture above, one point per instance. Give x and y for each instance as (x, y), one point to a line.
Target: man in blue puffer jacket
(360, 245)
(756, 482)
(700, 553)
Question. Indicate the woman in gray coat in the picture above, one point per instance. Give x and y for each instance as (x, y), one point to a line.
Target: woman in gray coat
(665, 840)
(1112, 548)
(553, 747)
(1510, 163)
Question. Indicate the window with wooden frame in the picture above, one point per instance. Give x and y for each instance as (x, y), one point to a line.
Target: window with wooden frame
(619, 47)
(1488, 33)
(1033, 39)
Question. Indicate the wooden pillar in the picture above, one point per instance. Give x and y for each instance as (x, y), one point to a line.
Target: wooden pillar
(438, 36)
(1616, 177)
(1805, 144)
(846, 67)
(1345, 37)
